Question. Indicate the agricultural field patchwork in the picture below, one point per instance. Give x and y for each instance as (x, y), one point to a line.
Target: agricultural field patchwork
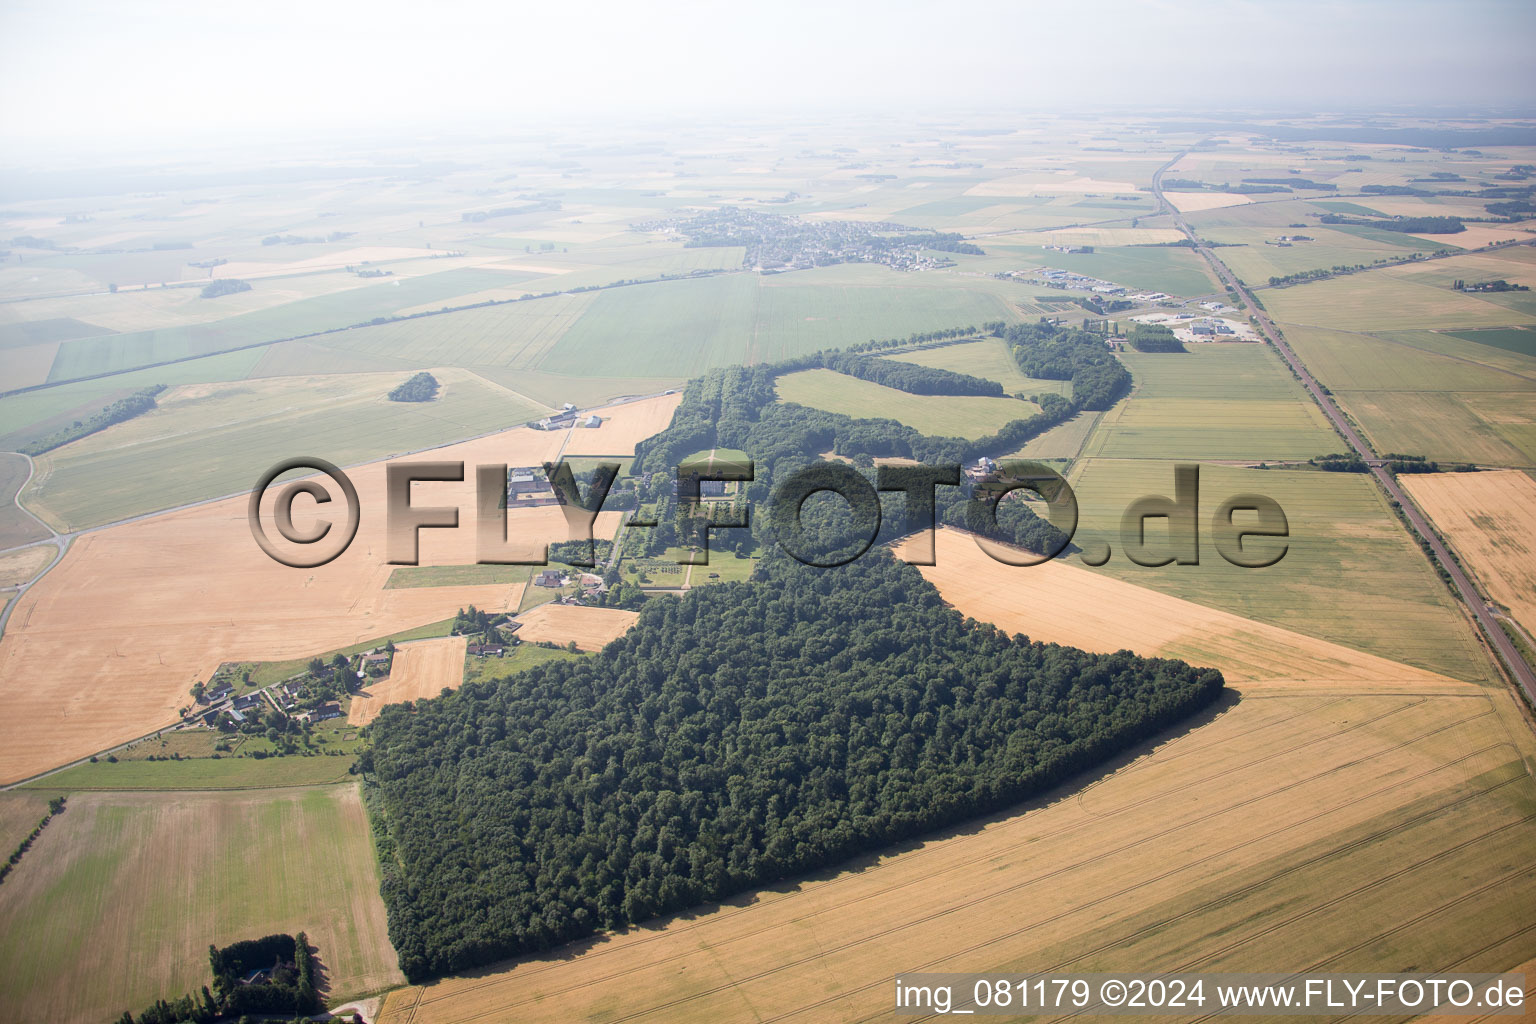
(1359, 797)
(1297, 803)
(211, 440)
(1214, 401)
(178, 872)
(1350, 575)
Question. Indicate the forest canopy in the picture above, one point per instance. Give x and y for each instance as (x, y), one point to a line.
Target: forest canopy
(741, 734)
(422, 387)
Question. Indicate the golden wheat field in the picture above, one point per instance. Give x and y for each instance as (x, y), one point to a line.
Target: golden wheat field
(1490, 519)
(589, 628)
(419, 669)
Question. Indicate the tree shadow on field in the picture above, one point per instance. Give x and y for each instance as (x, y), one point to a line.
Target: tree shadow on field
(318, 970)
(1067, 790)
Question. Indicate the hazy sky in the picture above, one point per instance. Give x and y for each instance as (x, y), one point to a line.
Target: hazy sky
(113, 76)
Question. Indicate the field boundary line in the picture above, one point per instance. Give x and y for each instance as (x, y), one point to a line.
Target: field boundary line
(1253, 886)
(926, 879)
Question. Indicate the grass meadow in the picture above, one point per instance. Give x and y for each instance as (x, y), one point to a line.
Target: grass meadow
(942, 415)
(989, 359)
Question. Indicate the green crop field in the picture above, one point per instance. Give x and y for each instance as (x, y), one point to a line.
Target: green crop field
(794, 318)
(653, 330)
(1351, 575)
(1379, 301)
(1489, 428)
(207, 442)
(1513, 339)
(408, 576)
(681, 328)
(514, 334)
(989, 359)
(153, 879)
(1408, 361)
(1430, 393)
(201, 773)
(1222, 401)
(1063, 441)
(26, 417)
(87, 356)
(1255, 262)
(1171, 269)
(942, 415)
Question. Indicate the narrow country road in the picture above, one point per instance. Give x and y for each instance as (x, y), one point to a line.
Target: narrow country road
(1470, 596)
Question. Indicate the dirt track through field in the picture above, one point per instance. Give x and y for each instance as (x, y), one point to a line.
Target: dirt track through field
(420, 669)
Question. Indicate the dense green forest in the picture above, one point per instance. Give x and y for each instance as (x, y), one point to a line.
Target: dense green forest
(736, 408)
(741, 734)
(1065, 353)
(1155, 338)
(1406, 225)
(422, 387)
(910, 377)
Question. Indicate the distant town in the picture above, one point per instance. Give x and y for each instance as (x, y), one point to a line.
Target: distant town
(776, 243)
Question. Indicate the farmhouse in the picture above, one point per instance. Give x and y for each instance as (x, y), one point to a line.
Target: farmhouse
(213, 695)
(549, 578)
(486, 650)
(325, 711)
(529, 486)
(592, 421)
(982, 469)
